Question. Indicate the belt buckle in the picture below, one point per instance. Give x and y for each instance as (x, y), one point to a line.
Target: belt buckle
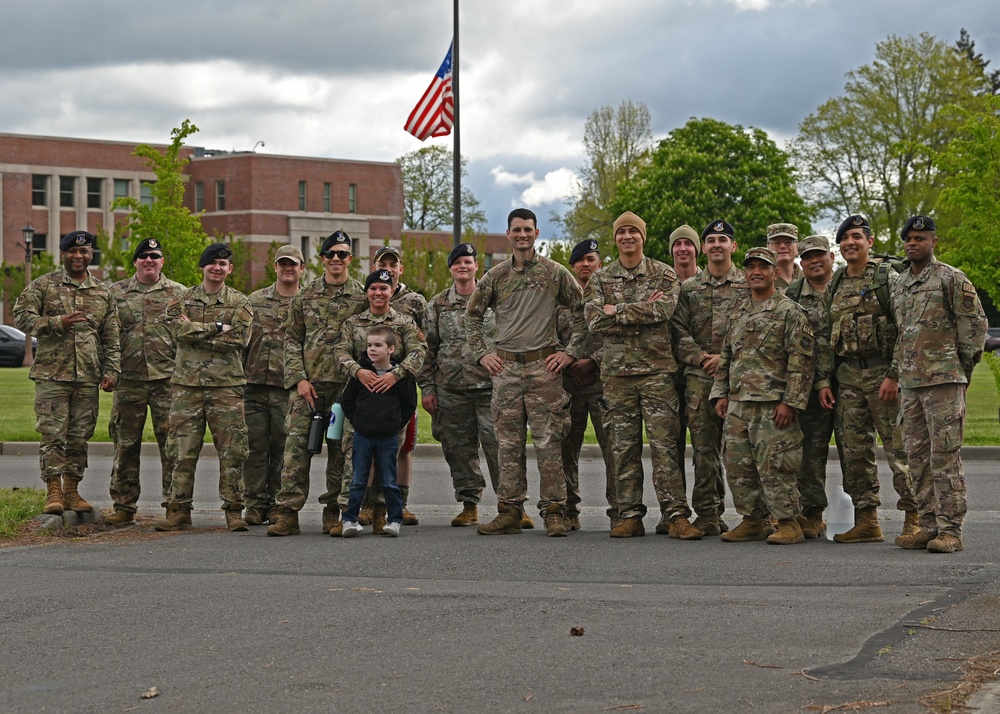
(519, 357)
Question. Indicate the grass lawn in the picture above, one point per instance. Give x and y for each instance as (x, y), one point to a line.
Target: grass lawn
(17, 418)
(17, 505)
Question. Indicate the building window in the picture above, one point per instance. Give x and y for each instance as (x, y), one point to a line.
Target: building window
(220, 195)
(38, 245)
(352, 198)
(327, 197)
(146, 194)
(39, 190)
(302, 195)
(305, 248)
(96, 261)
(67, 191)
(199, 197)
(121, 188)
(94, 190)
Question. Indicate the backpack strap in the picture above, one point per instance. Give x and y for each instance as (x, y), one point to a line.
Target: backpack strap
(794, 289)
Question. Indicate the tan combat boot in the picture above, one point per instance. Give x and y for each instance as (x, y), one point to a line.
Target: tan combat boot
(526, 522)
(573, 522)
(468, 517)
(680, 528)
(409, 519)
(708, 525)
(866, 528)
(54, 498)
(945, 543)
(255, 516)
(234, 519)
(554, 525)
(378, 519)
(911, 522)
(916, 541)
(338, 530)
(507, 522)
(365, 515)
(789, 532)
(119, 518)
(72, 501)
(812, 524)
(331, 517)
(178, 518)
(287, 523)
(750, 529)
(629, 528)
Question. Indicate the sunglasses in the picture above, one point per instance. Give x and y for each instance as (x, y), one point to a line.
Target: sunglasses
(150, 256)
(342, 254)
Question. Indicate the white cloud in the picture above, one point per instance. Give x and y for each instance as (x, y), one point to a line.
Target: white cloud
(554, 187)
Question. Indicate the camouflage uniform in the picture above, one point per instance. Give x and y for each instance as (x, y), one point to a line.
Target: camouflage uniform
(781, 284)
(265, 397)
(311, 327)
(148, 351)
(409, 302)
(639, 372)
(463, 389)
(207, 388)
(862, 339)
(942, 328)
(704, 310)
(69, 364)
(525, 300)
(767, 360)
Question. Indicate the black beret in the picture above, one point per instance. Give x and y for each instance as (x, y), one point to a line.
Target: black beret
(582, 248)
(77, 238)
(719, 227)
(145, 245)
(855, 221)
(215, 252)
(918, 223)
(334, 239)
(460, 250)
(378, 276)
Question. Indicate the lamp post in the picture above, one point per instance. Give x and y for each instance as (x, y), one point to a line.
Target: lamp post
(28, 233)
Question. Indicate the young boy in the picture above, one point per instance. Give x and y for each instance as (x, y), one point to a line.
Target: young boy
(378, 417)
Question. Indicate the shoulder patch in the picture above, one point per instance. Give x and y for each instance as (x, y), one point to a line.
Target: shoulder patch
(968, 287)
(421, 335)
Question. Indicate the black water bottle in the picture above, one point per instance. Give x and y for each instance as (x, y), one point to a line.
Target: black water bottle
(317, 428)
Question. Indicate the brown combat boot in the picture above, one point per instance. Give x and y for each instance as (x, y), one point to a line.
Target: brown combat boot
(507, 522)
(54, 499)
(573, 522)
(409, 519)
(708, 525)
(681, 528)
(365, 515)
(119, 518)
(554, 526)
(526, 522)
(629, 528)
(331, 517)
(911, 522)
(378, 519)
(234, 519)
(468, 517)
(916, 541)
(72, 501)
(178, 518)
(811, 523)
(789, 532)
(945, 543)
(338, 530)
(750, 529)
(255, 516)
(866, 528)
(287, 523)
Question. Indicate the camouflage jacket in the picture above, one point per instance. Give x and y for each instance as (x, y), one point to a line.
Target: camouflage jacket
(858, 329)
(780, 283)
(312, 327)
(450, 363)
(942, 326)
(207, 357)
(264, 358)
(638, 338)
(767, 355)
(705, 307)
(814, 303)
(410, 303)
(148, 347)
(85, 352)
(593, 348)
(352, 342)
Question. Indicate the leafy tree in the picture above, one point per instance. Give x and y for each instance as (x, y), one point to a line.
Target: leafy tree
(708, 169)
(873, 150)
(428, 192)
(967, 47)
(425, 267)
(617, 142)
(12, 277)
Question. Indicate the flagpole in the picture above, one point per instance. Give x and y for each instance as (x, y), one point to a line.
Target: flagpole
(457, 151)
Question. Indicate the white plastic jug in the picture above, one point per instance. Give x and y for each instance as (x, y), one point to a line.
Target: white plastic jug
(336, 429)
(840, 513)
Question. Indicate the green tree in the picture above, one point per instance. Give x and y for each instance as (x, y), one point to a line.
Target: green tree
(12, 278)
(708, 169)
(167, 218)
(428, 192)
(425, 267)
(873, 150)
(617, 142)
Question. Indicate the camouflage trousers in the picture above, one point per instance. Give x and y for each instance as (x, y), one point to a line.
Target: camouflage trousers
(65, 416)
(709, 491)
(527, 395)
(584, 401)
(817, 428)
(295, 465)
(221, 409)
(857, 417)
(762, 461)
(680, 386)
(132, 398)
(650, 400)
(452, 426)
(933, 431)
(266, 412)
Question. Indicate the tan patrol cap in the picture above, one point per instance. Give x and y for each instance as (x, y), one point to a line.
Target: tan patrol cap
(290, 252)
(814, 243)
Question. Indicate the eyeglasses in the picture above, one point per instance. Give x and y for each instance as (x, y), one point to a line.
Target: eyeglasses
(342, 254)
(150, 256)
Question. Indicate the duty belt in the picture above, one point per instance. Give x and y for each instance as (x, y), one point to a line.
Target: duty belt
(524, 357)
(865, 362)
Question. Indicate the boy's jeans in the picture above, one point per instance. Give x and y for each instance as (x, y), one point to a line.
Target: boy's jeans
(384, 453)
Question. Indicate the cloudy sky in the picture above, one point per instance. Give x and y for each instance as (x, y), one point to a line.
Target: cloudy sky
(338, 78)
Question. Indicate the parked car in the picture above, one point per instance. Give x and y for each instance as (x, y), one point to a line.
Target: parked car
(12, 346)
(993, 339)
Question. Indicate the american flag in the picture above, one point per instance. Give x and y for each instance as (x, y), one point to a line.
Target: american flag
(434, 114)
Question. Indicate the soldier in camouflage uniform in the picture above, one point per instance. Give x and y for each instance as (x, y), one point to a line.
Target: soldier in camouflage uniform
(707, 304)
(211, 324)
(782, 239)
(456, 390)
(764, 378)
(266, 396)
(582, 382)
(684, 246)
(148, 351)
(73, 316)
(630, 304)
(525, 292)
(312, 325)
(863, 335)
(942, 328)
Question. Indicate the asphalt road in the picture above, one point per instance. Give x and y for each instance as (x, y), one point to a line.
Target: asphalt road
(443, 620)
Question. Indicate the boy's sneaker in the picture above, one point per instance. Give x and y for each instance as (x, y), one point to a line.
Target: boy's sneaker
(392, 529)
(352, 528)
